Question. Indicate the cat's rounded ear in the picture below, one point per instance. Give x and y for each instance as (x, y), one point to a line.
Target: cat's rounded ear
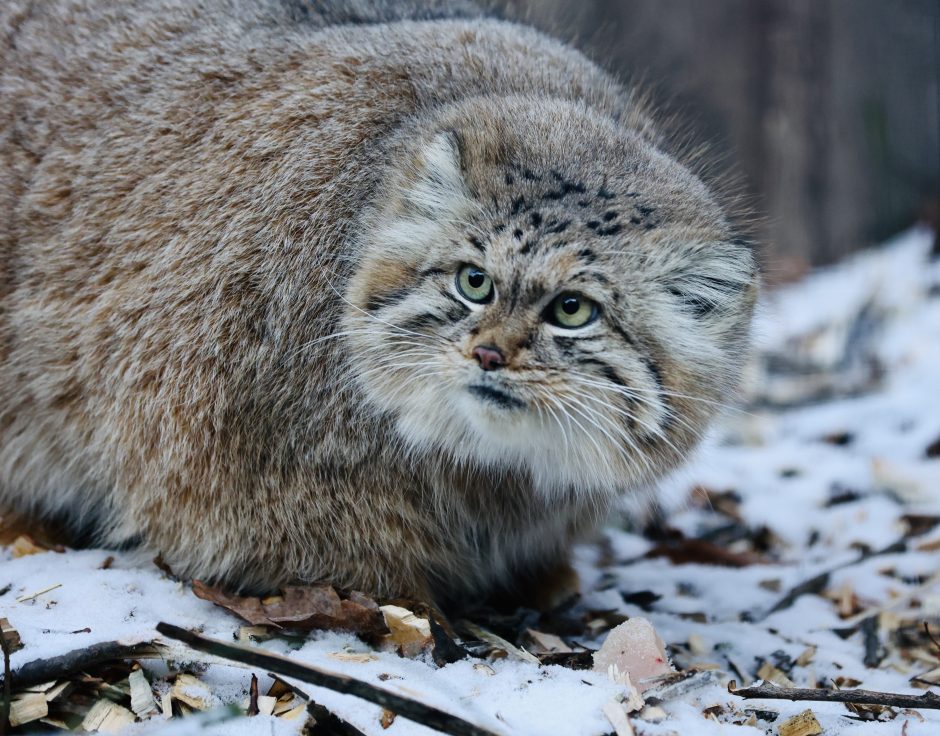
(435, 186)
(708, 279)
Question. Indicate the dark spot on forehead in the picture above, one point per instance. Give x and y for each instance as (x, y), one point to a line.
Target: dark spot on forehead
(535, 218)
(609, 230)
(587, 254)
(499, 227)
(605, 193)
(526, 247)
(510, 179)
(557, 227)
(517, 234)
(518, 204)
(610, 215)
(477, 243)
(530, 176)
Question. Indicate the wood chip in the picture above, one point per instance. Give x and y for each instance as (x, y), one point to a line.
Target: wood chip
(499, 643)
(11, 636)
(249, 634)
(191, 691)
(294, 713)
(409, 633)
(166, 705)
(806, 656)
(27, 708)
(387, 718)
(543, 643)
(358, 657)
(266, 705)
(769, 673)
(618, 718)
(142, 702)
(698, 646)
(804, 724)
(108, 717)
(24, 545)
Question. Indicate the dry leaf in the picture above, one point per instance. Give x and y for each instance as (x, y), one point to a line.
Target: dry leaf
(703, 552)
(303, 607)
(804, 724)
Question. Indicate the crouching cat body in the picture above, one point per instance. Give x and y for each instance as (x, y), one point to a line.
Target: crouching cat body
(404, 306)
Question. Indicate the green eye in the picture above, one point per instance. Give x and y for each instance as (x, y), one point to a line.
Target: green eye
(474, 284)
(571, 311)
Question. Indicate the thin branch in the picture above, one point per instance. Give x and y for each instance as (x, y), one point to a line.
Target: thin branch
(7, 686)
(818, 582)
(426, 715)
(857, 697)
(57, 668)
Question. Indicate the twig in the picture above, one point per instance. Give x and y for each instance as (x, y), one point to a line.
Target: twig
(818, 582)
(56, 668)
(7, 686)
(857, 697)
(426, 715)
(36, 594)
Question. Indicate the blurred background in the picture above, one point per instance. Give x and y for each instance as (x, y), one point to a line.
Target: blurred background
(828, 110)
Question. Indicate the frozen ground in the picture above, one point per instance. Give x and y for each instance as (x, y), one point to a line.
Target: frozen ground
(827, 469)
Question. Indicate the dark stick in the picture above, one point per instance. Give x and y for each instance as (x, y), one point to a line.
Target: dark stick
(7, 686)
(426, 715)
(858, 697)
(930, 636)
(818, 582)
(56, 668)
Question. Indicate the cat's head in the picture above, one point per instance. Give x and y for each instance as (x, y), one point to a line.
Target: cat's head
(541, 289)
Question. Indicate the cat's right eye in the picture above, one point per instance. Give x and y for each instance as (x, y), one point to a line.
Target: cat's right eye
(474, 284)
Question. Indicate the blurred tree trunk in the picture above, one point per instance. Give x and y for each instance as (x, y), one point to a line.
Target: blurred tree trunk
(829, 108)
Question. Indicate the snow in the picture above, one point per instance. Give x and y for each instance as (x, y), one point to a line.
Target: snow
(785, 476)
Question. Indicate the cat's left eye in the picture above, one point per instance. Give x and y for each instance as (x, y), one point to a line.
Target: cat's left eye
(571, 311)
(475, 284)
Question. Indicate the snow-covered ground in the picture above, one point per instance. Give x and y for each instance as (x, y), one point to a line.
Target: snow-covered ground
(826, 469)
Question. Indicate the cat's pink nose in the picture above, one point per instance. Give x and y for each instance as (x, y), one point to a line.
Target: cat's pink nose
(489, 357)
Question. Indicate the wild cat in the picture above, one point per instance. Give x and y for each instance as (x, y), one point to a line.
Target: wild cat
(299, 291)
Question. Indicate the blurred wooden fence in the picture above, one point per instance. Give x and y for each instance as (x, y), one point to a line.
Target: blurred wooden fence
(829, 108)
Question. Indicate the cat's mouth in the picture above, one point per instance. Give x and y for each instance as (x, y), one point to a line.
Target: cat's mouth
(496, 396)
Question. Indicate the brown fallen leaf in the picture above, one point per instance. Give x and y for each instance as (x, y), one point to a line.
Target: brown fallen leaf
(703, 552)
(303, 607)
